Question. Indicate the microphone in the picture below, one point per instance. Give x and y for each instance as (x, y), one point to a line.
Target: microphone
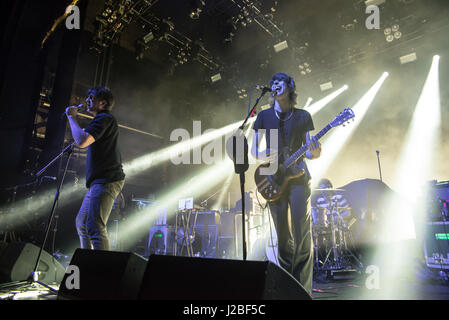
(79, 107)
(264, 88)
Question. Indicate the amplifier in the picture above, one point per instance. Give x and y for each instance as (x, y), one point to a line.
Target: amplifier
(436, 244)
(161, 240)
(206, 217)
(438, 201)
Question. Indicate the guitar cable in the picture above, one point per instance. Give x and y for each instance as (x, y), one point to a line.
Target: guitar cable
(269, 223)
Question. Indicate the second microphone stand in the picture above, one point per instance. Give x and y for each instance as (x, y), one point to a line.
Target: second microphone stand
(34, 276)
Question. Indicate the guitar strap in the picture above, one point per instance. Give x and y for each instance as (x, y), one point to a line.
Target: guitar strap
(294, 135)
(282, 129)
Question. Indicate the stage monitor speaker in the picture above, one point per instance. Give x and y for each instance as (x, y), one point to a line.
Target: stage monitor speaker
(18, 259)
(190, 278)
(104, 275)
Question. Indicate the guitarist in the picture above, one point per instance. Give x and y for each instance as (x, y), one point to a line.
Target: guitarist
(295, 246)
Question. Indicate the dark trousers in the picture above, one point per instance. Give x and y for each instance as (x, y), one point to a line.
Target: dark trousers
(93, 215)
(294, 233)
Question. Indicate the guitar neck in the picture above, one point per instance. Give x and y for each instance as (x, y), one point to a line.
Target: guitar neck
(295, 156)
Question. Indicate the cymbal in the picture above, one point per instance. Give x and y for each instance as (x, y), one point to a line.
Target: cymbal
(329, 189)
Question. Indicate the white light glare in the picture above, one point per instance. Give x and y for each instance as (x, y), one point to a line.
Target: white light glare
(336, 139)
(317, 106)
(147, 161)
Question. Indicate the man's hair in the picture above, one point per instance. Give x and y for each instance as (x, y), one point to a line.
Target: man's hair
(326, 182)
(103, 93)
(290, 85)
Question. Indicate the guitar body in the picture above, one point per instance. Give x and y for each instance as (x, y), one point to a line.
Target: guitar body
(271, 187)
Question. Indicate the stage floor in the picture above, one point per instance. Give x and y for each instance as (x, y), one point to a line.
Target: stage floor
(347, 289)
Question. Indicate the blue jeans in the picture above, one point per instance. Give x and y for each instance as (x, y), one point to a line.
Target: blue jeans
(294, 233)
(94, 213)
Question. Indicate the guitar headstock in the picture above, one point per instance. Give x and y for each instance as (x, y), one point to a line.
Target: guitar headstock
(343, 117)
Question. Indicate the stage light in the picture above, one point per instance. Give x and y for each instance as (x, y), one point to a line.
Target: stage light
(280, 46)
(374, 2)
(326, 86)
(305, 68)
(408, 58)
(195, 14)
(320, 104)
(338, 137)
(148, 37)
(215, 78)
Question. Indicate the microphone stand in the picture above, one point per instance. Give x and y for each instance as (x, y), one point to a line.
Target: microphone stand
(239, 167)
(378, 162)
(205, 200)
(34, 276)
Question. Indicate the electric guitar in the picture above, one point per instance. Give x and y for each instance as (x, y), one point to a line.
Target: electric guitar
(272, 186)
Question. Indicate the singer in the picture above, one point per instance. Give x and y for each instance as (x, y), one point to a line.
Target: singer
(295, 246)
(104, 173)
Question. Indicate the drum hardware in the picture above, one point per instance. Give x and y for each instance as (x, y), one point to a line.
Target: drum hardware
(332, 232)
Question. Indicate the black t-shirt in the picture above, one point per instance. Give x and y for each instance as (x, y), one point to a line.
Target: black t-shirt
(104, 161)
(292, 127)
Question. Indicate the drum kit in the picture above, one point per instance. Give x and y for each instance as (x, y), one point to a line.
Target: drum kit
(333, 242)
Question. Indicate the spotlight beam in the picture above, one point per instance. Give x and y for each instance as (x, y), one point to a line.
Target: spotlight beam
(194, 187)
(336, 140)
(24, 212)
(422, 138)
(147, 161)
(414, 166)
(317, 106)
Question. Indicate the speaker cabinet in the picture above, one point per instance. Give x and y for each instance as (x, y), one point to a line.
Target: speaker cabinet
(18, 259)
(187, 278)
(104, 275)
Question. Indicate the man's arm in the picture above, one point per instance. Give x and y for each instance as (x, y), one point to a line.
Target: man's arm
(82, 138)
(314, 150)
(266, 155)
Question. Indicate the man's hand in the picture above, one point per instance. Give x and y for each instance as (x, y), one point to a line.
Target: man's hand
(71, 111)
(315, 148)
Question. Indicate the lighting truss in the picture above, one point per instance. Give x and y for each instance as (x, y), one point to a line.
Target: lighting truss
(117, 16)
(249, 12)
